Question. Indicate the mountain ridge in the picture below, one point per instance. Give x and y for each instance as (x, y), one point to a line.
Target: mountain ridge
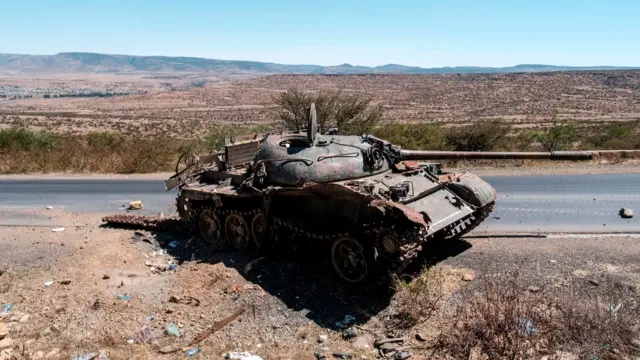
(82, 62)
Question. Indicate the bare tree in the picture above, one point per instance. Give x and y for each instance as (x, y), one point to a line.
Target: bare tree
(350, 113)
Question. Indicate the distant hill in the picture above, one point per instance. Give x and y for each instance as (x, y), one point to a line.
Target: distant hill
(78, 62)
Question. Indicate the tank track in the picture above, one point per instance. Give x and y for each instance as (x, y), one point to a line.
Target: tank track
(408, 251)
(146, 222)
(470, 222)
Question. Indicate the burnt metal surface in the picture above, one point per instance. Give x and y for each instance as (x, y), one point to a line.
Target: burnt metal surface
(363, 202)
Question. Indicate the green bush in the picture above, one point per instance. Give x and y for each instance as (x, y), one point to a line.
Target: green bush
(557, 137)
(18, 139)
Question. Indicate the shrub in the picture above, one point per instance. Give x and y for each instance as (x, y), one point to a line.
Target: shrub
(350, 113)
(412, 136)
(557, 137)
(480, 136)
(18, 139)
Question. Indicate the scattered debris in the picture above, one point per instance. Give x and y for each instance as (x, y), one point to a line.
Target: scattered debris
(533, 289)
(144, 335)
(173, 244)
(48, 283)
(319, 356)
(172, 329)
(53, 353)
(254, 264)
(341, 355)
(135, 205)
(186, 300)
(49, 207)
(106, 277)
(217, 326)
(171, 267)
(4, 331)
(89, 356)
(593, 282)
(613, 308)
(402, 355)
(468, 276)
(322, 338)
(348, 320)
(349, 333)
(96, 304)
(419, 337)
(6, 308)
(6, 343)
(58, 229)
(626, 213)
(168, 349)
(242, 356)
(528, 327)
(192, 352)
(124, 297)
(496, 217)
(61, 243)
(387, 341)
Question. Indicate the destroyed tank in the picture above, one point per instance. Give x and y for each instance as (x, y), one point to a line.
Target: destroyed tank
(365, 204)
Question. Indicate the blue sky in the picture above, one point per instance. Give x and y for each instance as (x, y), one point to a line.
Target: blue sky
(421, 33)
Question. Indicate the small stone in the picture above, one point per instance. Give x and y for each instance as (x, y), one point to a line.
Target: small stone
(626, 213)
(6, 343)
(553, 261)
(168, 349)
(322, 338)
(52, 354)
(161, 215)
(46, 332)
(389, 346)
(106, 277)
(593, 282)
(24, 319)
(364, 342)
(135, 205)
(3, 331)
(533, 289)
(6, 354)
(468, 276)
(419, 337)
(65, 282)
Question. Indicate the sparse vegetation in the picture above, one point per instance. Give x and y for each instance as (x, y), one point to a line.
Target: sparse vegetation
(350, 113)
(510, 320)
(23, 150)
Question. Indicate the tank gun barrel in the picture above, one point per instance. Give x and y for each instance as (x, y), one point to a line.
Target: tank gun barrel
(446, 155)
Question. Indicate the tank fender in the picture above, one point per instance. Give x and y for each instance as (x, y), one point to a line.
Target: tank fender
(472, 189)
(411, 214)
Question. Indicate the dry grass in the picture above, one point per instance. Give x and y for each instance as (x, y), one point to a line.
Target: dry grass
(27, 151)
(507, 320)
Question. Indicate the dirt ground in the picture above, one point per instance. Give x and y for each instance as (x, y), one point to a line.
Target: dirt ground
(290, 306)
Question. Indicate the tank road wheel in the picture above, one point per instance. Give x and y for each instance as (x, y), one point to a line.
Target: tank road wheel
(209, 225)
(257, 228)
(349, 260)
(237, 231)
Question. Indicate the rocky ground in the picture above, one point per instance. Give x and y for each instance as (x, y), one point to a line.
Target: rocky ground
(122, 294)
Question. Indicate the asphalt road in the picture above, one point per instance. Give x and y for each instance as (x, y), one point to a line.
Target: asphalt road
(538, 204)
